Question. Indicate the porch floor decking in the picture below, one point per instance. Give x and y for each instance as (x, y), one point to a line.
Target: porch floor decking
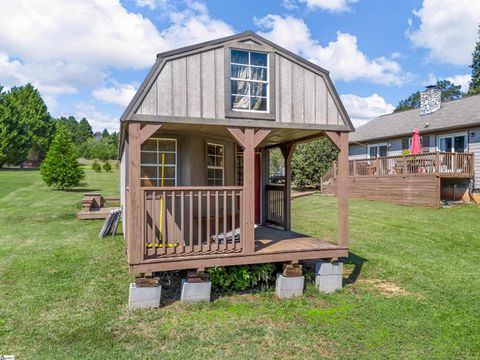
(271, 240)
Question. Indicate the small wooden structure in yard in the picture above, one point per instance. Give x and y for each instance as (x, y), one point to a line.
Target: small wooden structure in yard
(203, 123)
(93, 206)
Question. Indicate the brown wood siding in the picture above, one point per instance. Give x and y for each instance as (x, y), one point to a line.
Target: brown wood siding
(417, 191)
(193, 86)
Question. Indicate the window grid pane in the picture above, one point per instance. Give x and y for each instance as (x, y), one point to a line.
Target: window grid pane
(215, 170)
(151, 162)
(249, 80)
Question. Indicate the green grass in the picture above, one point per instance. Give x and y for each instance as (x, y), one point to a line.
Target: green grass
(63, 292)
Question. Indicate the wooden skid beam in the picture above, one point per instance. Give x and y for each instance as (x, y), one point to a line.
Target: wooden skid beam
(205, 262)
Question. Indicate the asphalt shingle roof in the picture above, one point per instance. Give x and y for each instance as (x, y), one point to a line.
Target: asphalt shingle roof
(453, 114)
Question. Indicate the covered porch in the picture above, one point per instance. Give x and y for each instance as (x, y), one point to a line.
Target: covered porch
(194, 224)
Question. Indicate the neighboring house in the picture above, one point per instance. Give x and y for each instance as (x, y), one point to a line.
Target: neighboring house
(194, 151)
(450, 138)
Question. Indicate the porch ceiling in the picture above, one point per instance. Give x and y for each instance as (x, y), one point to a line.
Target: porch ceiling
(276, 136)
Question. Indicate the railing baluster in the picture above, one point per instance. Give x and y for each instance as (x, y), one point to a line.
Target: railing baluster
(241, 220)
(200, 219)
(225, 212)
(164, 223)
(208, 213)
(233, 219)
(155, 218)
(191, 245)
(174, 223)
(182, 220)
(216, 219)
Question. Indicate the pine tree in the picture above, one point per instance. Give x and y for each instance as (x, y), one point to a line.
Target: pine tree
(474, 86)
(61, 169)
(15, 143)
(33, 115)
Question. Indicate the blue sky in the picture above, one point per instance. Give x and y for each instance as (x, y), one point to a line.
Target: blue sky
(88, 57)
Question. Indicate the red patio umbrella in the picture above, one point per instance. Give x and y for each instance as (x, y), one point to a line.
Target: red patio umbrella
(416, 147)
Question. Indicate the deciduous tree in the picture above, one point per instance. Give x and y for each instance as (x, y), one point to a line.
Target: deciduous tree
(474, 86)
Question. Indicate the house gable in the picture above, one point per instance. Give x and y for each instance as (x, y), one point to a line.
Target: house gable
(194, 83)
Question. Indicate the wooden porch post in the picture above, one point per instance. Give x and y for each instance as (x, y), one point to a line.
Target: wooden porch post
(343, 191)
(287, 151)
(249, 140)
(134, 226)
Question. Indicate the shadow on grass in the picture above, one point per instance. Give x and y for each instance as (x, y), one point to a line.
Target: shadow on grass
(81, 190)
(19, 169)
(358, 262)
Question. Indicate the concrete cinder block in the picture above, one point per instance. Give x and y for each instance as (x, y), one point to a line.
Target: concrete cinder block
(144, 297)
(328, 277)
(195, 292)
(328, 268)
(288, 287)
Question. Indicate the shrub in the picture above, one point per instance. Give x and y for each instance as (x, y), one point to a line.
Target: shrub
(61, 169)
(107, 167)
(241, 277)
(312, 160)
(96, 166)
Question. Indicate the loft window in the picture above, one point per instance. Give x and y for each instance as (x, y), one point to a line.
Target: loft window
(155, 154)
(215, 168)
(249, 81)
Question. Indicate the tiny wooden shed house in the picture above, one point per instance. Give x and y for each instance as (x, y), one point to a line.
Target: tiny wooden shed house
(194, 152)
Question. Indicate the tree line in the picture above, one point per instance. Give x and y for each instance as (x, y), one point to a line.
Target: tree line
(27, 130)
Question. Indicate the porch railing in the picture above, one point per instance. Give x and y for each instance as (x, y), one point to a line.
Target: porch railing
(274, 204)
(185, 221)
(442, 164)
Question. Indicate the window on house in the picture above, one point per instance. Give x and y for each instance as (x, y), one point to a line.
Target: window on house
(158, 158)
(377, 150)
(249, 81)
(215, 167)
(453, 143)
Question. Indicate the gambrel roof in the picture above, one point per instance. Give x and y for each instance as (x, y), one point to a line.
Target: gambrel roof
(312, 82)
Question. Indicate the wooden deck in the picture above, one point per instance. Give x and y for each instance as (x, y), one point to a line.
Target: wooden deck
(269, 240)
(271, 245)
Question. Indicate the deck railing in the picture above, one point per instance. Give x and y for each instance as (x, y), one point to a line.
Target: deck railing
(459, 165)
(185, 221)
(274, 204)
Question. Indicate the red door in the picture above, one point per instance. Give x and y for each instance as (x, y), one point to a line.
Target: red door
(257, 187)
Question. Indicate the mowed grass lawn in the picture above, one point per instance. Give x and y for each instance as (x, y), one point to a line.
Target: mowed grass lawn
(63, 292)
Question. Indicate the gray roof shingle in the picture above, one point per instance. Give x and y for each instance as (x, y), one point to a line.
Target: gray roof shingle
(453, 114)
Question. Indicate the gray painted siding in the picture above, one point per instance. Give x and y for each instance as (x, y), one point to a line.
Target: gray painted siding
(357, 151)
(194, 86)
(474, 147)
(192, 158)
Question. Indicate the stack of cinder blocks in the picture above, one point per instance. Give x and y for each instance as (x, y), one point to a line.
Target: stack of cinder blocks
(144, 293)
(147, 292)
(328, 276)
(290, 282)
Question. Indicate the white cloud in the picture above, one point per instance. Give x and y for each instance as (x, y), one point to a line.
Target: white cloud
(448, 28)
(363, 109)
(98, 120)
(462, 80)
(119, 94)
(60, 46)
(330, 5)
(341, 57)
